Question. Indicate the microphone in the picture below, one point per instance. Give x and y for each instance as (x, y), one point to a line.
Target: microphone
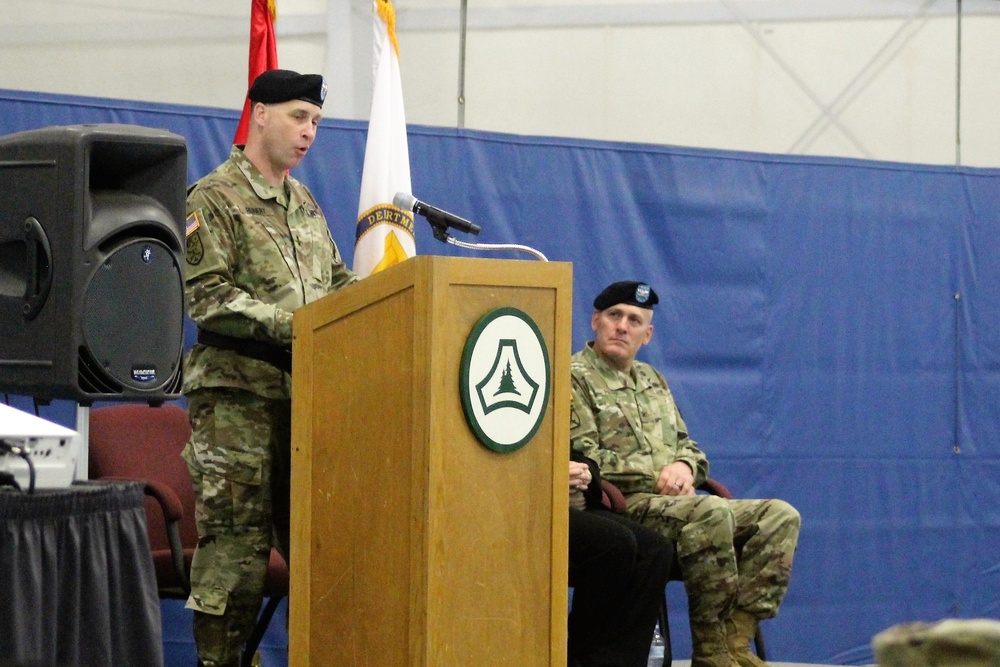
(434, 215)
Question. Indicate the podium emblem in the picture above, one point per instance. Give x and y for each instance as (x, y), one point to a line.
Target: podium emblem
(505, 379)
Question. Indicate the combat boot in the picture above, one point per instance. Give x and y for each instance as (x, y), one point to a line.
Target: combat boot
(708, 641)
(741, 627)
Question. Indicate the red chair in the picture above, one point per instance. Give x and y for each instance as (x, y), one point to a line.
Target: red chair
(614, 500)
(143, 443)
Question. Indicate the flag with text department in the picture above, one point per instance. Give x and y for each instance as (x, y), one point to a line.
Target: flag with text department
(384, 233)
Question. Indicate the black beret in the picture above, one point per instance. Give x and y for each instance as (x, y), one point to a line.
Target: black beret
(632, 292)
(283, 85)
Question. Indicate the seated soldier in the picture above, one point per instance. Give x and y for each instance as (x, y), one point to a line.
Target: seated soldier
(624, 418)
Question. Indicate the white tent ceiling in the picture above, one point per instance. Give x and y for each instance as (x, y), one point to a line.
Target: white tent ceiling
(839, 67)
(76, 21)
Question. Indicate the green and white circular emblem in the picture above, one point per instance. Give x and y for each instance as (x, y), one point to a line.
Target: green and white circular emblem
(504, 380)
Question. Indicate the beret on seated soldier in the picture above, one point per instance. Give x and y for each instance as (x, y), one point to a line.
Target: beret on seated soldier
(631, 292)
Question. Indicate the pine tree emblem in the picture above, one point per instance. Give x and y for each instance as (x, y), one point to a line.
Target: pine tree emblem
(507, 385)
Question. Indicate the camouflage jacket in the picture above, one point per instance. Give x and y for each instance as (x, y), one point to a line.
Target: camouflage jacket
(255, 253)
(628, 423)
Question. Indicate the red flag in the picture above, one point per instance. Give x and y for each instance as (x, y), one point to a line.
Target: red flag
(263, 54)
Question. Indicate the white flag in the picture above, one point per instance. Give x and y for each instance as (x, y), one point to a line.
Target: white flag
(384, 233)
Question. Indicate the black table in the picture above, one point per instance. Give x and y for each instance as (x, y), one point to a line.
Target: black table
(77, 585)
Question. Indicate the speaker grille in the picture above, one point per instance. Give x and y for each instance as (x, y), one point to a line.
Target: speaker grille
(92, 378)
(133, 320)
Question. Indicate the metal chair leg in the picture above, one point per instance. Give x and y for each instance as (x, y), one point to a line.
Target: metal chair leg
(258, 631)
(668, 654)
(758, 644)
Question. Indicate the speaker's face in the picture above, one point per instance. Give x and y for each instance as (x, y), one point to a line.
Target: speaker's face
(133, 317)
(287, 132)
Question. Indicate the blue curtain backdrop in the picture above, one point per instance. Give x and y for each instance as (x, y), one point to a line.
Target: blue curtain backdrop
(828, 327)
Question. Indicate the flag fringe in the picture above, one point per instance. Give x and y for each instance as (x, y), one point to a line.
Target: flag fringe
(388, 15)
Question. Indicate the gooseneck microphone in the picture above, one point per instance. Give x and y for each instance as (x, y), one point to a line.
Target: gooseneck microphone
(434, 215)
(442, 220)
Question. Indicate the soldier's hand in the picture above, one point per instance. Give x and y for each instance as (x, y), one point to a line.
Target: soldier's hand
(579, 475)
(676, 479)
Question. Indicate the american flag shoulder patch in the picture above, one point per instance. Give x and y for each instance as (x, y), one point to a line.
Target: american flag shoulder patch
(193, 223)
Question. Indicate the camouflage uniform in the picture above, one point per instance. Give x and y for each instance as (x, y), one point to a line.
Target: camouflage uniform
(630, 425)
(255, 253)
(951, 642)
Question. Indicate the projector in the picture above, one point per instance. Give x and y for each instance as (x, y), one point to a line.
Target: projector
(52, 448)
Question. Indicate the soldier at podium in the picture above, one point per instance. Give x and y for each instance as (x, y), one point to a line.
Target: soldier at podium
(258, 248)
(618, 570)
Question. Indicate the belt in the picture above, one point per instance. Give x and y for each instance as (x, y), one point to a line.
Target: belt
(279, 357)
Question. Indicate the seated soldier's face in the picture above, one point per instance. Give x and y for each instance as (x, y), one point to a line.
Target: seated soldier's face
(620, 331)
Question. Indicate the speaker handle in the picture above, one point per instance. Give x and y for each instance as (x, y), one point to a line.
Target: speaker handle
(39, 268)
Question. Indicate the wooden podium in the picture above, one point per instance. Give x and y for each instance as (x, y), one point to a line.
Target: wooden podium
(413, 543)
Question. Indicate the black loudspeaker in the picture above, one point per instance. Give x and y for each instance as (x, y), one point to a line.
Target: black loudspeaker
(91, 263)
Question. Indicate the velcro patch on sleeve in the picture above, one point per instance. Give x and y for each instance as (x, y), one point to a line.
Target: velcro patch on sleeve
(193, 224)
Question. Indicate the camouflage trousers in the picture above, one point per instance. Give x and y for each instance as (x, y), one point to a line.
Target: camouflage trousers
(238, 457)
(702, 528)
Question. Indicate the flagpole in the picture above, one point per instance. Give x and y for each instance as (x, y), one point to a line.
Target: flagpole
(462, 22)
(958, 84)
